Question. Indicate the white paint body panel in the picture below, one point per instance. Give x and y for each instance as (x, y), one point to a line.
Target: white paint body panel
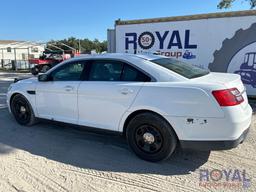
(102, 104)
(57, 101)
(175, 98)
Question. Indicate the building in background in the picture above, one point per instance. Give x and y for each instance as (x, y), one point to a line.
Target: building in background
(15, 54)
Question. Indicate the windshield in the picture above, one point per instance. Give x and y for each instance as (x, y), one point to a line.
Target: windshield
(184, 69)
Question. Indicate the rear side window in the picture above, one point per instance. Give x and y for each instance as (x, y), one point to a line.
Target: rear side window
(183, 69)
(108, 70)
(132, 74)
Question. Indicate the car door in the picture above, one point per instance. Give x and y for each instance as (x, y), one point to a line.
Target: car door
(56, 99)
(108, 92)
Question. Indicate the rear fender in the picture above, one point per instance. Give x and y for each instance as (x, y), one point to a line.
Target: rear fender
(178, 101)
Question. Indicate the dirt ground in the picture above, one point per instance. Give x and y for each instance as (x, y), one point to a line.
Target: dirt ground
(57, 157)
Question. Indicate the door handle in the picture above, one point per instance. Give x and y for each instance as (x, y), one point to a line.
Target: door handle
(126, 91)
(69, 88)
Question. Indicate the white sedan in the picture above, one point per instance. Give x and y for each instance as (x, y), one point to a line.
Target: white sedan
(157, 102)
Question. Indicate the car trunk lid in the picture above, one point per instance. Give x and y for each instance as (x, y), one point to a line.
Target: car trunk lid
(228, 80)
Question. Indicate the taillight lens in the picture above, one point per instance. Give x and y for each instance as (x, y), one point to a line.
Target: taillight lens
(228, 97)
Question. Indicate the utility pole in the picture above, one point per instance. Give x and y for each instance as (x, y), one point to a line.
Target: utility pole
(79, 46)
(2, 61)
(15, 60)
(28, 59)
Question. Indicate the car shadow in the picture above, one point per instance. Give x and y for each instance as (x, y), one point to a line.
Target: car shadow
(85, 149)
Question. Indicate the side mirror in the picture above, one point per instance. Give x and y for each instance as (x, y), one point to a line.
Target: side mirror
(43, 78)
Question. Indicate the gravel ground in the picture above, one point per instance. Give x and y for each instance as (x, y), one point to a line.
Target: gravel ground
(56, 157)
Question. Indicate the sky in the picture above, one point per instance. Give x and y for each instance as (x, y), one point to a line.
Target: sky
(44, 20)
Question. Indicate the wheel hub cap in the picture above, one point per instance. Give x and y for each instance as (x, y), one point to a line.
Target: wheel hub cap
(148, 138)
(22, 109)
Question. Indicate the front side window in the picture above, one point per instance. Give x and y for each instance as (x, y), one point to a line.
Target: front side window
(69, 72)
(183, 69)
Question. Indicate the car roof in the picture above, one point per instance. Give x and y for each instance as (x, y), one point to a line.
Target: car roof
(122, 56)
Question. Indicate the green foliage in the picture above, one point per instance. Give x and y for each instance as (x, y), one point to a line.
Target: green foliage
(85, 45)
(225, 4)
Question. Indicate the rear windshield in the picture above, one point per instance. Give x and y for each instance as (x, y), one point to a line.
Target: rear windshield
(183, 69)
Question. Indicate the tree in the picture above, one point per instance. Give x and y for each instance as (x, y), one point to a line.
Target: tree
(85, 45)
(225, 4)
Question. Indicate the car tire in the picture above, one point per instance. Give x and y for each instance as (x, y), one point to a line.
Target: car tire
(34, 71)
(22, 111)
(45, 68)
(151, 137)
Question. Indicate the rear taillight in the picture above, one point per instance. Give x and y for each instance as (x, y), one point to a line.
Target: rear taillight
(228, 97)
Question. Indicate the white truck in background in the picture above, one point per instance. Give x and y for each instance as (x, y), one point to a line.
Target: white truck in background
(222, 42)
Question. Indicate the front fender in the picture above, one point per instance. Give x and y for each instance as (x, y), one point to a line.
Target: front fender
(23, 90)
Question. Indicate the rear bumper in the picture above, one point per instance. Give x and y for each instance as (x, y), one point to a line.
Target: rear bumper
(236, 121)
(214, 145)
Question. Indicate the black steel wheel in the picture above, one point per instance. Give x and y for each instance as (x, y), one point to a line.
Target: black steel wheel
(151, 137)
(148, 139)
(22, 110)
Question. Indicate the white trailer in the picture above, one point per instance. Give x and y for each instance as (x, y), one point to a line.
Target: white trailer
(222, 42)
